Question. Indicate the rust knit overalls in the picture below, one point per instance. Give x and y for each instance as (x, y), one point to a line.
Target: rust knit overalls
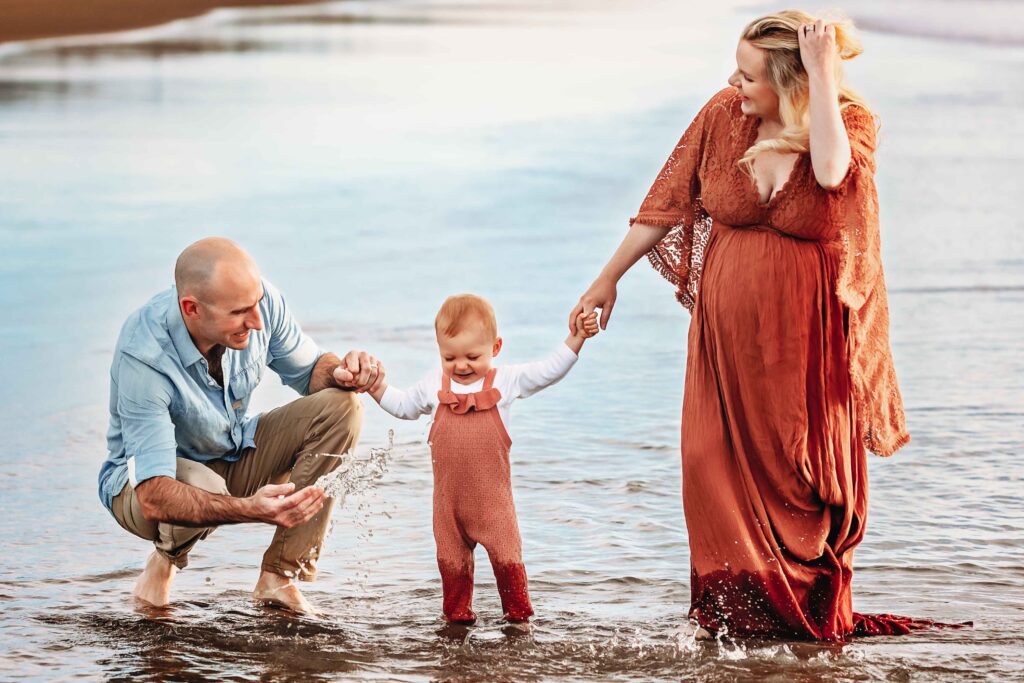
(473, 501)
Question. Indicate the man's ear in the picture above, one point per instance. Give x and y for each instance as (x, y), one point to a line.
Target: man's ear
(189, 306)
(497, 347)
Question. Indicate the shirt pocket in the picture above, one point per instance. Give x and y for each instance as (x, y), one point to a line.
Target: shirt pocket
(244, 382)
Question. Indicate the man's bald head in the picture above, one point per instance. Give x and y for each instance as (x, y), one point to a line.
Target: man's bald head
(219, 292)
(212, 267)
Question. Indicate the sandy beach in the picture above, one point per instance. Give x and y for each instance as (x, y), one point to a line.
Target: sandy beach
(34, 19)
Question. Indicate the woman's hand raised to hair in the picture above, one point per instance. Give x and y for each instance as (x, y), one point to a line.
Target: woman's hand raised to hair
(601, 294)
(829, 143)
(818, 50)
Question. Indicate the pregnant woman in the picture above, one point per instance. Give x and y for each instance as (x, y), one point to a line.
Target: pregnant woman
(765, 218)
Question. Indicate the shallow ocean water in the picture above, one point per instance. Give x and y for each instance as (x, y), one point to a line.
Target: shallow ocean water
(377, 156)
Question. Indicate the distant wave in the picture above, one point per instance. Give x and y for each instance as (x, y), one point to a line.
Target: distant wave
(994, 22)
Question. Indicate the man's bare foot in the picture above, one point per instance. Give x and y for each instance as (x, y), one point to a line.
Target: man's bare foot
(282, 592)
(154, 584)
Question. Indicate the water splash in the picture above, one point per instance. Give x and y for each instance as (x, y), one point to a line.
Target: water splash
(355, 474)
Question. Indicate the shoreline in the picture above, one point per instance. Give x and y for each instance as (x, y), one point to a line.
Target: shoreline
(989, 22)
(30, 20)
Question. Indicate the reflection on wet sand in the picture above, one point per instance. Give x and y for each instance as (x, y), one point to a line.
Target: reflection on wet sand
(150, 49)
(357, 20)
(194, 641)
(12, 91)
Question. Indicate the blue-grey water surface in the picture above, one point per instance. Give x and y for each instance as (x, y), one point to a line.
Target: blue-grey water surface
(376, 157)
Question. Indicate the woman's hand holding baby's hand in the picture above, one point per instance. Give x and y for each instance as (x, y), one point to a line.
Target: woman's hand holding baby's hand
(601, 294)
(586, 325)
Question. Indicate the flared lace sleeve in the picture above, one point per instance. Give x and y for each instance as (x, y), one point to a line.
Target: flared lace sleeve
(861, 287)
(674, 202)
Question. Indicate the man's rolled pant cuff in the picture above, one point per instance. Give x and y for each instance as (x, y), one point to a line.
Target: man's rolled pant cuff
(180, 561)
(292, 553)
(303, 569)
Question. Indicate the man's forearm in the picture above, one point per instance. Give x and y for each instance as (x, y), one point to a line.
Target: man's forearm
(167, 500)
(322, 376)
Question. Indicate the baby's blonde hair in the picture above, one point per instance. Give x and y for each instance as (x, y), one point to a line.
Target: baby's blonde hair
(776, 35)
(457, 310)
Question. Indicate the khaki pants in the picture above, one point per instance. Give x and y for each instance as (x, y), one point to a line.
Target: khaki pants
(290, 443)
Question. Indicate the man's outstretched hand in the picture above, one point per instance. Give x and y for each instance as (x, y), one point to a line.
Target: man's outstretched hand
(360, 372)
(282, 505)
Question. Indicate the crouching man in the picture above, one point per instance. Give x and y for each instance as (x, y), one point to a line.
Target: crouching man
(185, 458)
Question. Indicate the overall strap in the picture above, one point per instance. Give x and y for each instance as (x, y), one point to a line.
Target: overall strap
(446, 382)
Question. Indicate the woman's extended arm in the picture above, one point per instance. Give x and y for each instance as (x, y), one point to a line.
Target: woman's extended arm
(638, 241)
(830, 145)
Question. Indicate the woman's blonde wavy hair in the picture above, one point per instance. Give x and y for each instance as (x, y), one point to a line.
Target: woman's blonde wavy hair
(776, 35)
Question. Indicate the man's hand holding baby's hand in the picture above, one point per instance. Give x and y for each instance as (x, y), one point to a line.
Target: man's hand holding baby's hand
(359, 371)
(586, 325)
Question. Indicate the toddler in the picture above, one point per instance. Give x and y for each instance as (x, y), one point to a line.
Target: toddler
(469, 447)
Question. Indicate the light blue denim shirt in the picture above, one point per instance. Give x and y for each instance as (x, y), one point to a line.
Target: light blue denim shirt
(165, 405)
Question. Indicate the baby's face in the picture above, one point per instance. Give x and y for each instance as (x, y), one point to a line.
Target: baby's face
(467, 356)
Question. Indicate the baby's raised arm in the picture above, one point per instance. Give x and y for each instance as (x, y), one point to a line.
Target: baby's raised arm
(411, 403)
(526, 379)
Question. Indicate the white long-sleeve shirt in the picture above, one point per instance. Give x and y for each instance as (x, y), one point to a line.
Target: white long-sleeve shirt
(514, 382)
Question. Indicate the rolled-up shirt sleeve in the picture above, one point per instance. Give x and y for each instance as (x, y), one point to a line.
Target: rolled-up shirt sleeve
(143, 406)
(293, 353)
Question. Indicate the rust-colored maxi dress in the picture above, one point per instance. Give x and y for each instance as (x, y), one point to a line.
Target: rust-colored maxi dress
(789, 377)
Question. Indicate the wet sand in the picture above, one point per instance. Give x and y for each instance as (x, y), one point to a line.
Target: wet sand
(34, 19)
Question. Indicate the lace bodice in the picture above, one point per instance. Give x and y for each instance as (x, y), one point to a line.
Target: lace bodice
(701, 184)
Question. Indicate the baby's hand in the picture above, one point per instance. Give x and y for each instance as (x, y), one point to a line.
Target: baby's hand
(586, 326)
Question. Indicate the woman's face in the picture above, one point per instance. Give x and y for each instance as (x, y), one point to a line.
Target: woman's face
(757, 98)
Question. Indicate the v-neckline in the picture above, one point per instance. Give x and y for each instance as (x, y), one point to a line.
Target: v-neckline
(781, 189)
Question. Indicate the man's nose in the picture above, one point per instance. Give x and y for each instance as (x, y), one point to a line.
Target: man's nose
(254, 322)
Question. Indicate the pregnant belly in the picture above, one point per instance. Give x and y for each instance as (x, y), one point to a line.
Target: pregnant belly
(759, 280)
(767, 337)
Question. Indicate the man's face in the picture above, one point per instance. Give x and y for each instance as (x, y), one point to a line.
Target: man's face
(228, 310)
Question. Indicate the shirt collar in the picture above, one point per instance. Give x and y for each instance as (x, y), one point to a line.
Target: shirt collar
(182, 340)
